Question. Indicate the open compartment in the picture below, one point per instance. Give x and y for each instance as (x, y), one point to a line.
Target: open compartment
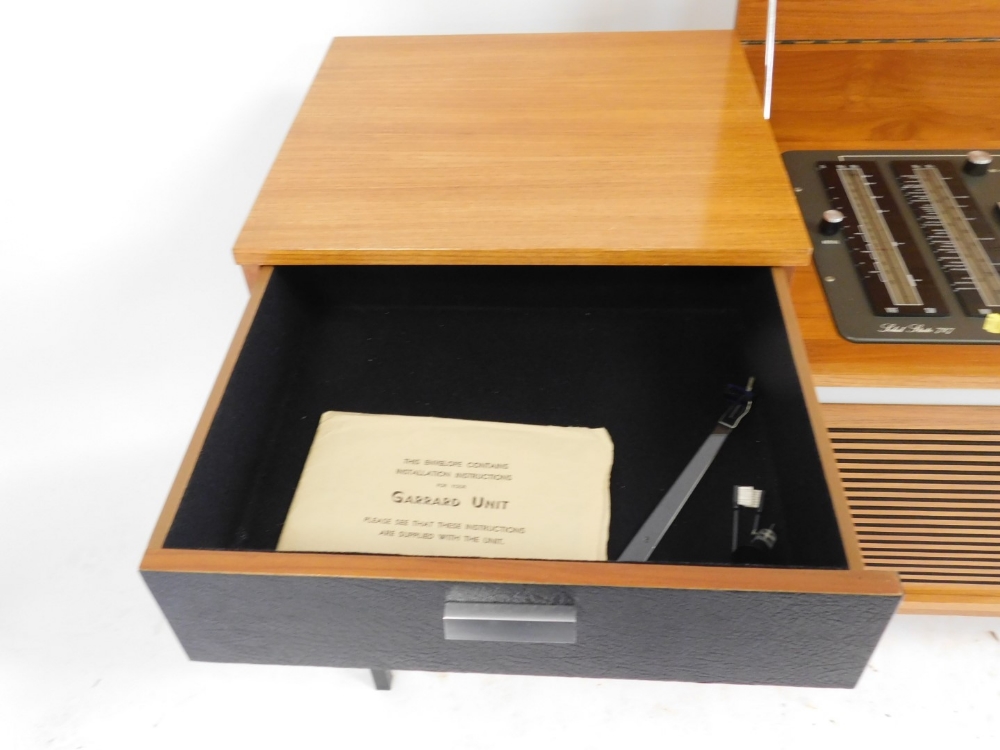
(643, 351)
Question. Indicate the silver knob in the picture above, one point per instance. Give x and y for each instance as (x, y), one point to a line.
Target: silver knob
(832, 222)
(977, 162)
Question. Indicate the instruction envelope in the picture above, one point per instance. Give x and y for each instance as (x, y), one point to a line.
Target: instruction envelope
(427, 486)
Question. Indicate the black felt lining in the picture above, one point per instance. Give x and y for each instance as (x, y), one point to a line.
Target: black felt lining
(644, 352)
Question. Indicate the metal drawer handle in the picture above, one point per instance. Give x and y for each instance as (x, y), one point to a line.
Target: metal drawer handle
(510, 623)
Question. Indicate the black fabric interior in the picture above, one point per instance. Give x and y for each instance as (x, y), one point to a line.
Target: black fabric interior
(645, 352)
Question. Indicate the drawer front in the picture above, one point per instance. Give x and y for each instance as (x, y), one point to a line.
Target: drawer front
(805, 639)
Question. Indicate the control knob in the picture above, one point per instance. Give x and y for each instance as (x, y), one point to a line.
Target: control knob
(832, 222)
(977, 162)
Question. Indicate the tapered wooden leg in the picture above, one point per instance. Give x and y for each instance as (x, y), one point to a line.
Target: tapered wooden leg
(383, 679)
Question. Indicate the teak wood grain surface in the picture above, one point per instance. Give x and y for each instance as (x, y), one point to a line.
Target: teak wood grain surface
(932, 92)
(871, 19)
(624, 148)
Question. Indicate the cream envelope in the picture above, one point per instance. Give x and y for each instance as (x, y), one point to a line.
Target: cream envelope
(426, 486)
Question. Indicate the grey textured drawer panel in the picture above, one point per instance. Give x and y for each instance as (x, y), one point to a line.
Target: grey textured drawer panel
(807, 639)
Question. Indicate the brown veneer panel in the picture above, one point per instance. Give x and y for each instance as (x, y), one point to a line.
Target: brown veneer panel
(925, 448)
(633, 148)
(884, 92)
(871, 19)
(888, 417)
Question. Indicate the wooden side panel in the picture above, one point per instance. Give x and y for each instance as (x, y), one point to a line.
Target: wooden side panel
(258, 284)
(840, 505)
(937, 92)
(751, 20)
(871, 19)
(923, 484)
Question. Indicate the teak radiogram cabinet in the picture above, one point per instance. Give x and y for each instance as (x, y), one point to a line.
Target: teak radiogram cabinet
(589, 229)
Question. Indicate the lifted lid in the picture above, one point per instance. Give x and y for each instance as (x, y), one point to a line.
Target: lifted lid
(624, 148)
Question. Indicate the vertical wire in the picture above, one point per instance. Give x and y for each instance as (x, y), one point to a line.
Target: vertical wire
(772, 22)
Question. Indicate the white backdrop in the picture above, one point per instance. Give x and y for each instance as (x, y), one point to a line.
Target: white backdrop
(133, 139)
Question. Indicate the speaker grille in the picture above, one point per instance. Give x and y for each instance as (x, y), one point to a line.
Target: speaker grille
(925, 502)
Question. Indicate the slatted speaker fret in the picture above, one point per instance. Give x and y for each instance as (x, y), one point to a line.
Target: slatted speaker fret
(925, 502)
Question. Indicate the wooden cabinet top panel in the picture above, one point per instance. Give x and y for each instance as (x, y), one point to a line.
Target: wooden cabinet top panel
(629, 148)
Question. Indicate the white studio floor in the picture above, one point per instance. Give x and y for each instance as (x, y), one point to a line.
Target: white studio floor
(132, 145)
